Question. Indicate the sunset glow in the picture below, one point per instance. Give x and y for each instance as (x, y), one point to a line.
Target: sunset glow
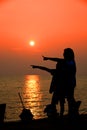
(31, 28)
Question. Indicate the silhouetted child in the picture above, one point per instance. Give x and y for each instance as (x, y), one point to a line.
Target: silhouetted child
(58, 95)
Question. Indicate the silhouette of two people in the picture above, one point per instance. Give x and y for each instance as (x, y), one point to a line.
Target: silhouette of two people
(63, 82)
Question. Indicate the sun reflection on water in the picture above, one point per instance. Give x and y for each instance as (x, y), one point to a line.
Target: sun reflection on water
(32, 95)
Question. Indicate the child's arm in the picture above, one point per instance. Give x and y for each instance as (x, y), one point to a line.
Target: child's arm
(42, 68)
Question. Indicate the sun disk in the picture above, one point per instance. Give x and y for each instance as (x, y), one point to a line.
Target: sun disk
(32, 43)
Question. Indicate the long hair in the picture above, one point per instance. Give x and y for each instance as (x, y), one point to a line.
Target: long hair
(68, 54)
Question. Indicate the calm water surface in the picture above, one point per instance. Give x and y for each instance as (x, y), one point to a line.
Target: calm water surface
(34, 90)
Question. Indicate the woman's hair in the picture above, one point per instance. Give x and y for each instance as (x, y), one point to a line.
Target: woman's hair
(68, 54)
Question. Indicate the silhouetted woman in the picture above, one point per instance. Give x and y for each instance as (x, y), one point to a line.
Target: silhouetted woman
(67, 78)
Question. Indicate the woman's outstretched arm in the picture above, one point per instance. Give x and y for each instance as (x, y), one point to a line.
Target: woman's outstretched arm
(52, 58)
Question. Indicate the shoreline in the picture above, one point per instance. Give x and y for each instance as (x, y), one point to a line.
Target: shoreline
(79, 122)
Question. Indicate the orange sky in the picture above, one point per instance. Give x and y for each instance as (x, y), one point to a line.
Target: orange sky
(53, 24)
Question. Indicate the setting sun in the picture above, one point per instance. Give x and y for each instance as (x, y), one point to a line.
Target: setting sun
(31, 43)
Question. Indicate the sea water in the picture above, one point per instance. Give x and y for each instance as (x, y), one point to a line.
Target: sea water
(34, 91)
